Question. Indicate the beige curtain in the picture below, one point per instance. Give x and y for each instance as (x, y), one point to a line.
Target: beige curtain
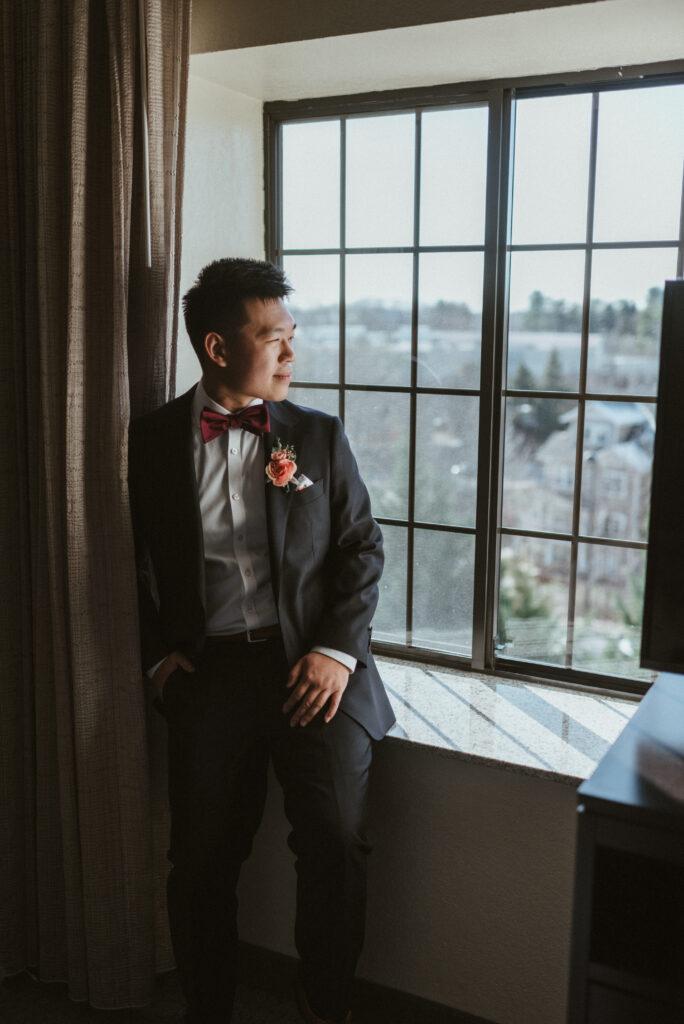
(87, 337)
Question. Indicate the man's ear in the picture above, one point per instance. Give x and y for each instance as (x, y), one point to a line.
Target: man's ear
(216, 348)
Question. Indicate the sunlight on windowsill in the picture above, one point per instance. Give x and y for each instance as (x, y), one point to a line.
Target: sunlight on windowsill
(536, 728)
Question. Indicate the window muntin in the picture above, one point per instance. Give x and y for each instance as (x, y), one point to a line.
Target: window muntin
(561, 310)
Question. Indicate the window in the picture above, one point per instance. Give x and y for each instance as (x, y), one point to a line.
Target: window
(478, 295)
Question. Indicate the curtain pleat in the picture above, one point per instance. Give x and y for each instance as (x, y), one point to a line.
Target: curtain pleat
(87, 337)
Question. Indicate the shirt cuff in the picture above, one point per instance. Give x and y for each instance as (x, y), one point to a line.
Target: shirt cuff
(150, 672)
(344, 659)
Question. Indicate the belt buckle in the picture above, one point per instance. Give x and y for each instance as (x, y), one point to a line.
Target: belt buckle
(256, 639)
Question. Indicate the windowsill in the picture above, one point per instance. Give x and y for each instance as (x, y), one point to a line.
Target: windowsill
(534, 728)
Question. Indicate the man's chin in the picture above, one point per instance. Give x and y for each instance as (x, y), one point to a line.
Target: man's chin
(280, 392)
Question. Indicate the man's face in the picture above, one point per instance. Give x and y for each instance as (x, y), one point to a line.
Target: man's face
(257, 361)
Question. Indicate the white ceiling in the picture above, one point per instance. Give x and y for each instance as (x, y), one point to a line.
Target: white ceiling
(586, 36)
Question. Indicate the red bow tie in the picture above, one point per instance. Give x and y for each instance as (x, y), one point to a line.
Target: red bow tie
(254, 418)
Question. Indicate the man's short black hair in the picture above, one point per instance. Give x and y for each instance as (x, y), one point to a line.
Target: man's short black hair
(216, 300)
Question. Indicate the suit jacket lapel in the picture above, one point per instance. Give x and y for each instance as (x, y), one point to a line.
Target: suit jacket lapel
(180, 471)
(283, 424)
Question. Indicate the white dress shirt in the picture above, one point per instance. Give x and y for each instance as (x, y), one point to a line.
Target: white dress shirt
(231, 484)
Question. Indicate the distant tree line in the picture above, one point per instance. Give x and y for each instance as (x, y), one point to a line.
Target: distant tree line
(537, 418)
(618, 319)
(612, 319)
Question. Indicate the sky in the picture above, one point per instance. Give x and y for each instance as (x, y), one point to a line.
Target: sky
(640, 167)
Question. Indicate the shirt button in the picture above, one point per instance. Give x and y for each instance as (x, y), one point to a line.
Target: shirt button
(233, 451)
(235, 497)
(240, 536)
(248, 572)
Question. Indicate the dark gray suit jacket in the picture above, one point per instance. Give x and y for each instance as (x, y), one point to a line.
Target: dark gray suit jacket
(325, 547)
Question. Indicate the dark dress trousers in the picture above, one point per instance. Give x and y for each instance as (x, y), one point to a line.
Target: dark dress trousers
(225, 719)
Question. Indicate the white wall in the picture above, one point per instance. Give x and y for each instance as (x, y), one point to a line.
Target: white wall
(223, 202)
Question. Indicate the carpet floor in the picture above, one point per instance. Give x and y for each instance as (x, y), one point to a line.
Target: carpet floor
(266, 996)
(24, 1000)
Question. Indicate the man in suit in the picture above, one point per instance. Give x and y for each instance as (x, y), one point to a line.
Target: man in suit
(258, 562)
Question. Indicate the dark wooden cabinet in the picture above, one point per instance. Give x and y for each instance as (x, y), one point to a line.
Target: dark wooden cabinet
(628, 932)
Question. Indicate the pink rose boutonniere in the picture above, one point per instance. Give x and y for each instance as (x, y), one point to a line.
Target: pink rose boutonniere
(282, 467)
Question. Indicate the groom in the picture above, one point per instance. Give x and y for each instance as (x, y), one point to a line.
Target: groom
(258, 562)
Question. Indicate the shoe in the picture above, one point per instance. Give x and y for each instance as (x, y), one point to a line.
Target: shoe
(307, 1013)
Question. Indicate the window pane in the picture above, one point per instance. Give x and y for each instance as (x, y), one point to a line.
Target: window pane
(533, 598)
(626, 314)
(608, 610)
(551, 169)
(539, 465)
(323, 399)
(639, 164)
(545, 320)
(443, 569)
(446, 459)
(616, 476)
(377, 426)
(311, 185)
(453, 176)
(389, 622)
(315, 305)
(380, 172)
(379, 289)
(450, 319)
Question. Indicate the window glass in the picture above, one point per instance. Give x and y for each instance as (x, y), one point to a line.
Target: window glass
(626, 314)
(376, 423)
(311, 185)
(616, 475)
(389, 622)
(545, 320)
(453, 176)
(539, 464)
(443, 569)
(380, 174)
(378, 321)
(609, 607)
(533, 599)
(315, 305)
(446, 459)
(323, 399)
(450, 319)
(551, 169)
(639, 164)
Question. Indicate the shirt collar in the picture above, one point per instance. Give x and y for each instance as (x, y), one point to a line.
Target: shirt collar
(201, 400)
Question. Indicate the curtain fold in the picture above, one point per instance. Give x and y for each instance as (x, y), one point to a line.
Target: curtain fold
(87, 338)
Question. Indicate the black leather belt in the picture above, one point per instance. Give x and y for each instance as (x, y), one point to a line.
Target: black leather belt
(250, 636)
